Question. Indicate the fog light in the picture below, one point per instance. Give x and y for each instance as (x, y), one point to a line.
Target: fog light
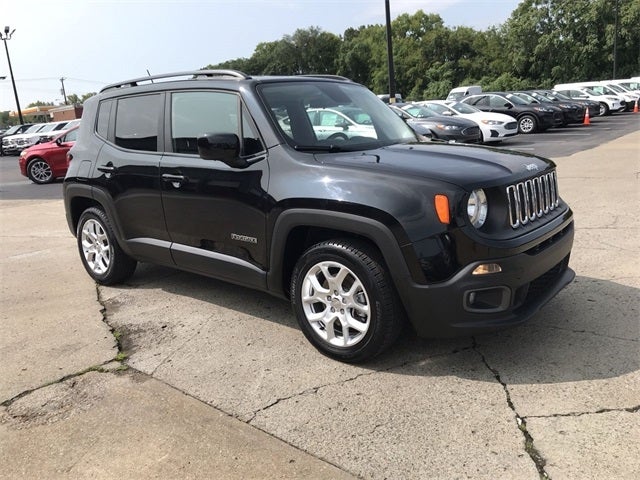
(486, 268)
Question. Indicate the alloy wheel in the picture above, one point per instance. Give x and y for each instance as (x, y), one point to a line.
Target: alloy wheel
(335, 304)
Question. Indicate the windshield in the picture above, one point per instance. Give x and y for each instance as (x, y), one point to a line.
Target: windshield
(12, 130)
(35, 128)
(419, 111)
(464, 108)
(49, 127)
(331, 116)
(517, 100)
(441, 109)
(617, 88)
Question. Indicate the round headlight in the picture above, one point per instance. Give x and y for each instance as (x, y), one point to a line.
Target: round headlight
(477, 208)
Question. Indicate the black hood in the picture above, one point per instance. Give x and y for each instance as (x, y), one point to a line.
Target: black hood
(466, 166)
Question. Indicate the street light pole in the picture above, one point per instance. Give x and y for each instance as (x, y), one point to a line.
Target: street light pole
(392, 79)
(5, 37)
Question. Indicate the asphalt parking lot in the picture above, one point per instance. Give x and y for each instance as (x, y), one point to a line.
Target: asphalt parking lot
(200, 363)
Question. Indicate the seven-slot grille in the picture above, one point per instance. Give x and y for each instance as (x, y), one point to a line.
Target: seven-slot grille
(532, 199)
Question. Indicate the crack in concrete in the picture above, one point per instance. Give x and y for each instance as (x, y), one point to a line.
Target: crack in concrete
(635, 409)
(314, 390)
(94, 368)
(538, 460)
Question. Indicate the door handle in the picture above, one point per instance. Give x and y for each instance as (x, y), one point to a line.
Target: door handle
(107, 168)
(175, 180)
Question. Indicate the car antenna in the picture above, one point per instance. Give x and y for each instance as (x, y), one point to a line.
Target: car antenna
(149, 73)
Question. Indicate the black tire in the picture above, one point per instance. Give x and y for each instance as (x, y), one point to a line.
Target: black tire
(527, 124)
(604, 110)
(39, 171)
(358, 294)
(100, 253)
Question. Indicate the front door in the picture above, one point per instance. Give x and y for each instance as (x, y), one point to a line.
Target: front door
(215, 214)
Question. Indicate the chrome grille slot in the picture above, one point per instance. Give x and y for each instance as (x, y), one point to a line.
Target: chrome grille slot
(532, 199)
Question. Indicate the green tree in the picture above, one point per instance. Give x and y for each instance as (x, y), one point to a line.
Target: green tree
(552, 41)
(307, 51)
(40, 103)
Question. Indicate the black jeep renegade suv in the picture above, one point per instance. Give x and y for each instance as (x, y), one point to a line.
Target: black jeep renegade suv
(358, 223)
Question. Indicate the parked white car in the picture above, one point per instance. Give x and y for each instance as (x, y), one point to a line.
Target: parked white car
(630, 97)
(340, 123)
(36, 134)
(628, 83)
(494, 127)
(608, 103)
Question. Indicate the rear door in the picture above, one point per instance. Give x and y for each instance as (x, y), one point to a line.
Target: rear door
(127, 169)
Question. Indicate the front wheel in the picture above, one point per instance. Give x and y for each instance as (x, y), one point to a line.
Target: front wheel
(344, 300)
(527, 124)
(39, 171)
(101, 255)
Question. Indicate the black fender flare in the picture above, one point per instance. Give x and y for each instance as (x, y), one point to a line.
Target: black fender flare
(73, 191)
(375, 231)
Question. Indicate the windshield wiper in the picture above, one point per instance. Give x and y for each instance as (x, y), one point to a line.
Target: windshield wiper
(318, 148)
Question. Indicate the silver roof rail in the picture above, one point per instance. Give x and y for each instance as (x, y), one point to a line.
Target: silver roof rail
(326, 75)
(194, 73)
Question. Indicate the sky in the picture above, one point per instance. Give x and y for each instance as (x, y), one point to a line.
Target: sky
(92, 43)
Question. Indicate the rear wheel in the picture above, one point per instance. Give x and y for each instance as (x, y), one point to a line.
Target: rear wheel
(101, 255)
(344, 300)
(39, 171)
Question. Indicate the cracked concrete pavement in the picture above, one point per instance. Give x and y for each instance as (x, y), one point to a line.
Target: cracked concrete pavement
(221, 382)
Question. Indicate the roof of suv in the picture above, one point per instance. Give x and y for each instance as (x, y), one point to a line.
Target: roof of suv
(211, 75)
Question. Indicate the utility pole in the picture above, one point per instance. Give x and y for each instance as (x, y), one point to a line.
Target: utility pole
(64, 94)
(392, 80)
(615, 44)
(5, 37)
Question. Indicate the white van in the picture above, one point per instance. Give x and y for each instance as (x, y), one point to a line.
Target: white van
(459, 93)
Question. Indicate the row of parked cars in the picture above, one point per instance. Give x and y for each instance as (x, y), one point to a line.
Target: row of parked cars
(42, 147)
(470, 115)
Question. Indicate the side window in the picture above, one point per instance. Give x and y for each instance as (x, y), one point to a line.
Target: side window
(481, 101)
(104, 113)
(497, 102)
(329, 119)
(137, 122)
(196, 113)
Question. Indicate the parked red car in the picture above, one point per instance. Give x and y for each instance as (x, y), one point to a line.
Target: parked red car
(44, 162)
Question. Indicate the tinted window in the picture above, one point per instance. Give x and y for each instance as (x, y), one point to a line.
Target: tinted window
(137, 122)
(104, 113)
(196, 113)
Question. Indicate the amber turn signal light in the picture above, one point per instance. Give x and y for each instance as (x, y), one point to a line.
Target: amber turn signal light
(442, 208)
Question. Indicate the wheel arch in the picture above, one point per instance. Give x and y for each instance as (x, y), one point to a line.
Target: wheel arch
(297, 229)
(79, 197)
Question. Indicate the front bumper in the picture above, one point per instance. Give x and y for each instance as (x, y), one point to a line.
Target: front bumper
(468, 304)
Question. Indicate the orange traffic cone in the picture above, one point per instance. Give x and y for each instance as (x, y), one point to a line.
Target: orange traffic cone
(586, 117)
(635, 107)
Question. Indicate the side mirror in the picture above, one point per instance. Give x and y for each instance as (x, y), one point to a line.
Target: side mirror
(508, 105)
(447, 113)
(59, 141)
(224, 147)
(343, 125)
